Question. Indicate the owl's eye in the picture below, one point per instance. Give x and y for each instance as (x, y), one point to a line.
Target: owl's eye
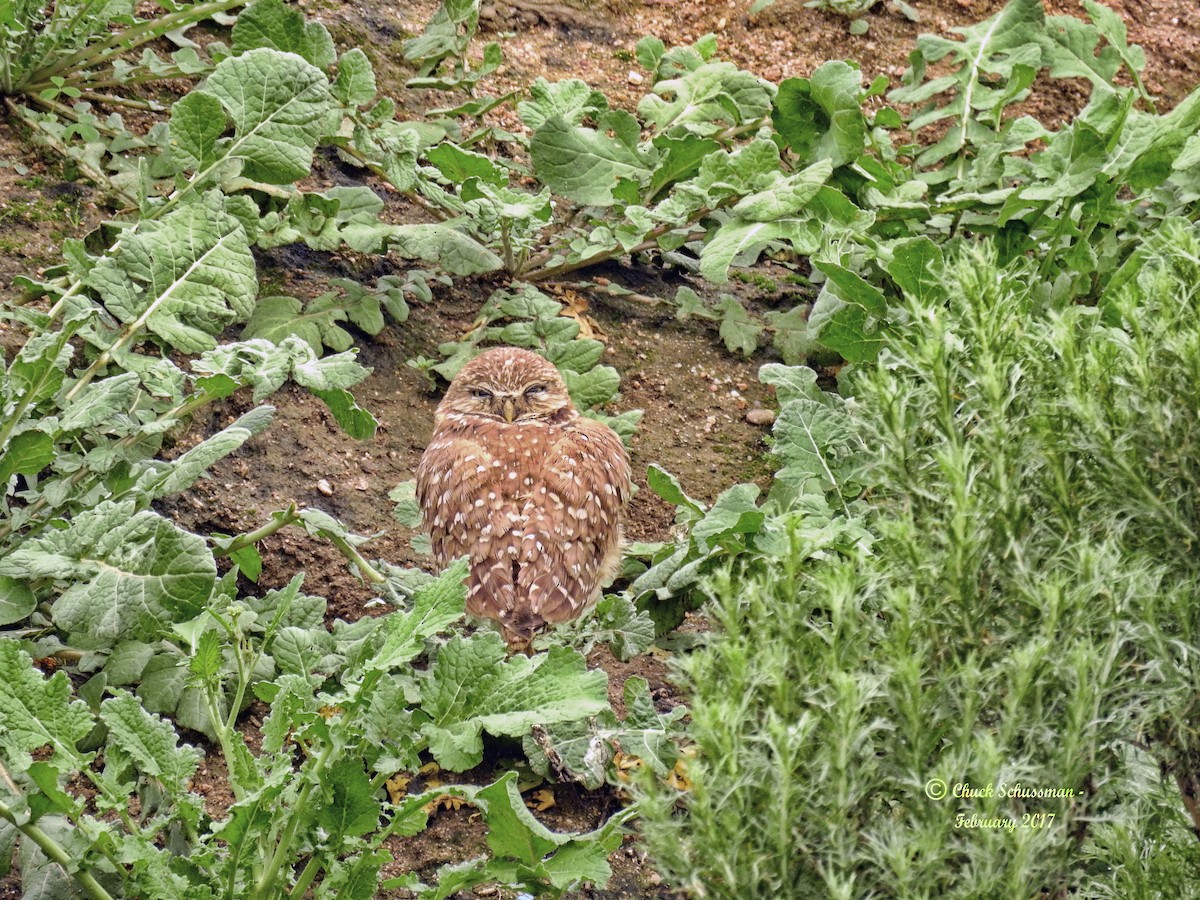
(535, 389)
(481, 394)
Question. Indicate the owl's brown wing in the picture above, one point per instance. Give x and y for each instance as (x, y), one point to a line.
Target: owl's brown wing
(468, 511)
(572, 533)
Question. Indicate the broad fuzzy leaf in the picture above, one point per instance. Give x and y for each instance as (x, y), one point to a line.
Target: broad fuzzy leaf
(150, 742)
(1012, 44)
(740, 242)
(849, 315)
(821, 117)
(352, 810)
(472, 687)
(280, 105)
(703, 102)
(129, 572)
(355, 82)
(38, 712)
(585, 165)
(571, 100)
(435, 607)
(165, 478)
(443, 244)
(271, 24)
(17, 600)
(184, 277)
(197, 121)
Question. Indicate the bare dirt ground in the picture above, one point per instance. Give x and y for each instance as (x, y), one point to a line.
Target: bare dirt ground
(694, 392)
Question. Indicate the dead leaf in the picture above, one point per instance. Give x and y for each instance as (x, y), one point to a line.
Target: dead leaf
(397, 786)
(575, 306)
(542, 800)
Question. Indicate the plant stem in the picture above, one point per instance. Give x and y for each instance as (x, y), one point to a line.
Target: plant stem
(367, 570)
(649, 244)
(306, 877)
(266, 882)
(131, 38)
(280, 520)
(55, 851)
(112, 100)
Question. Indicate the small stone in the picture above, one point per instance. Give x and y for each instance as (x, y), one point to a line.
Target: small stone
(721, 23)
(760, 416)
(360, 484)
(325, 487)
(634, 77)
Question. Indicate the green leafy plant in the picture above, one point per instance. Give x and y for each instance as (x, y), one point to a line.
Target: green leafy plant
(56, 62)
(1023, 463)
(309, 807)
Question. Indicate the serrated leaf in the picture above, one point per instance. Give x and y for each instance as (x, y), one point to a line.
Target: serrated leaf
(37, 712)
(128, 572)
(150, 742)
(435, 607)
(352, 810)
(472, 687)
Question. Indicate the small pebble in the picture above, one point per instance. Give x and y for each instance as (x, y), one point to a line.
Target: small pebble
(760, 416)
(325, 487)
(634, 77)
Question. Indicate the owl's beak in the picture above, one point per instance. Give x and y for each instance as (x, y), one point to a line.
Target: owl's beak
(510, 409)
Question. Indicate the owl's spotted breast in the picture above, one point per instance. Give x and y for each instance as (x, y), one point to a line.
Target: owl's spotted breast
(530, 491)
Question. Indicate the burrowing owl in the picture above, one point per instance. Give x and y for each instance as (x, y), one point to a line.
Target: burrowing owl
(515, 479)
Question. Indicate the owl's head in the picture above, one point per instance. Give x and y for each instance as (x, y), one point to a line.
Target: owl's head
(508, 384)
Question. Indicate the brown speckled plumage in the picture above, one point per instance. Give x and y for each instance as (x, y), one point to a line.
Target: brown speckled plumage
(526, 488)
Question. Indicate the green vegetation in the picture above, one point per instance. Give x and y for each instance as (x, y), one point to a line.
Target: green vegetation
(973, 564)
(1024, 617)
